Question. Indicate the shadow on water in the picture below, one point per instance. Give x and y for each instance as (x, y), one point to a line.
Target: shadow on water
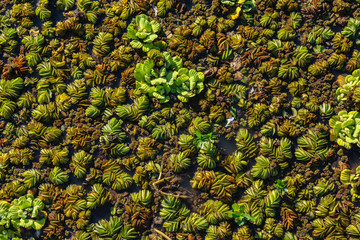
(186, 188)
(101, 212)
(354, 159)
(189, 3)
(354, 162)
(74, 180)
(226, 146)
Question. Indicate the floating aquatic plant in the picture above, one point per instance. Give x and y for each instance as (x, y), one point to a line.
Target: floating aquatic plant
(133, 111)
(114, 227)
(89, 8)
(24, 212)
(32, 178)
(348, 178)
(179, 162)
(313, 144)
(347, 86)
(239, 215)
(113, 137)
(245, 143)
(99, 96)
(115, 177)
(143, 32)
(57, 176)
(171, 78)
(281, 186)
(102, 43)
(326, 110)
(345, 128)
(352, 29)
(242, 6)
(173, 212)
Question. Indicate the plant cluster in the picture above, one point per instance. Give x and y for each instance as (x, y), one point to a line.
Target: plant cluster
(349, 178)
(25, 212)
(143, 32)
(179, 120)
(172, 77)
(239, 214)
(348, 89)
(345, 128)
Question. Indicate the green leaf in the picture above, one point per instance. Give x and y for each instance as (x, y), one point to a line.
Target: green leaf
(193, 73)
(201, 76)
(38, 224)
(139, 72)
(148, 65)
(192, 83)
(147, 46)
(92, 111)
(131, 32)
(345, 176)
(171, 76)
(155, 26)
(158, 96)
(26, 223)
(347, 123)
(43, 13)
(38, 203)
(142, 35)
(167, 98)
(235, 206)
(183, 71)
(136, 44)
(181, 79)
(150, 38)
(200, 87)
(249, 217)
(168, 58)
(147, 26)
(158, 81)
(333, 121)
(162, 72)
(178, 62)
(140, 20)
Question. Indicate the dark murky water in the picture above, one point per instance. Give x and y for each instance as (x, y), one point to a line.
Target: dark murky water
(101, 212)
(226, 146)
(354, 158)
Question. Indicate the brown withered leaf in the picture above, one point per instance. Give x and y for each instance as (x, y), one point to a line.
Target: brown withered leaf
(288, 217)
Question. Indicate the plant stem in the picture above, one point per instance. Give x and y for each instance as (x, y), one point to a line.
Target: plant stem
(165, 193)
(161, 233)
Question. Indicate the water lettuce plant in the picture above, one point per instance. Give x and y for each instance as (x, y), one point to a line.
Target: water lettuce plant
(170, 78)
(143, 32)
(348, 87)
(24, 212)
(345, 128)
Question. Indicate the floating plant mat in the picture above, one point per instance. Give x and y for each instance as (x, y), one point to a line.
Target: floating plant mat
(225, 119)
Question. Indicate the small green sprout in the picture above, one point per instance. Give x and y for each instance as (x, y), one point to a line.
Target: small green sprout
(281, 186)
(203, 138)
(239, 214)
